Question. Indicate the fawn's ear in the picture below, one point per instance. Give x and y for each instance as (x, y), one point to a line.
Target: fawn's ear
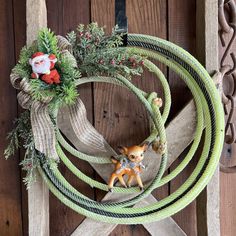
(145, 146)
(123, 150)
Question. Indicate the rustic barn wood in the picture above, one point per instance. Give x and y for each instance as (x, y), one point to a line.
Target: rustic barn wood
(38, 194)
(62, 19)
(10, 188)
(174, 20)
(118, 125)
(166, 227)
(19, 13)
(181, 28)
(208, 208)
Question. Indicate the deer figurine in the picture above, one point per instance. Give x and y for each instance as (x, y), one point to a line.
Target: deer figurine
(130, 164)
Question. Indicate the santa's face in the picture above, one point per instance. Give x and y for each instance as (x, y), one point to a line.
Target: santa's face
(41, 64)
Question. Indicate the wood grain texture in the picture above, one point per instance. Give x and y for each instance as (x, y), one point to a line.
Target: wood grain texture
(181, 30)
(38, 208)
(38, 193)
(10, 187)
(227, 204)
(182, 120)
(144, 17)
(36, 18)
(207, 53)
(64, 16)
(20, 41)
(165, 227)
(120, 122)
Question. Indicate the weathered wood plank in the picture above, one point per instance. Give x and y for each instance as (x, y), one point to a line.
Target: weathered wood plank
(166, 227)
(227, 202)
(20, 41)
(207, 53)
(181, 28)
(62, 19)
(36, 18)
(38, 194)
(10, 187)
(38, 205)
(113, 104)
(176, 150)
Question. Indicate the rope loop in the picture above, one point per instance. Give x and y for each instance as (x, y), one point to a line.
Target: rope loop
(210, 116)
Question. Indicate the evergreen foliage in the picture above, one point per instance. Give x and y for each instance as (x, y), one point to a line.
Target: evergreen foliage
(98, 54)
(47, 42)
(22, 136)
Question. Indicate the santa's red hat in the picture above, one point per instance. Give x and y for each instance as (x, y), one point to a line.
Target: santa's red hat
(37, 54)
(40, 55)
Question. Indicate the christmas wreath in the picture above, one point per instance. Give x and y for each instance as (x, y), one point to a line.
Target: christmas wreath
(48, 74)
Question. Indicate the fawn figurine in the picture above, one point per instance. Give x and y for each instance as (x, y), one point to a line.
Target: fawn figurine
(130, 165)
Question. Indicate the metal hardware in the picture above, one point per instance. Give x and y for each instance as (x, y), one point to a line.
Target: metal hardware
(121, 19)
(227, 35)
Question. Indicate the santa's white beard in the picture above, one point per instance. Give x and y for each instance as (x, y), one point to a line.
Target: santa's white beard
(43, 68)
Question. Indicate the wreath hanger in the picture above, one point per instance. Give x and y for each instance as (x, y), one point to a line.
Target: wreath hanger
(121, 19)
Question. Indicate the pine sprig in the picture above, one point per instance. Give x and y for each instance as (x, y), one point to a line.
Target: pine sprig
(22, 136)
(72, 37)
(98, 54)
(23, 68)
(21, 130)
(47, 42)
(30, 162)
(41, 90)
(13, 145)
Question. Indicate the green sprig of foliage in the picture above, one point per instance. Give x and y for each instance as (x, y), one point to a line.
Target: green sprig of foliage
(23, 68)
(22, 136)
(22, 132)
(47, 42)
(98, 54)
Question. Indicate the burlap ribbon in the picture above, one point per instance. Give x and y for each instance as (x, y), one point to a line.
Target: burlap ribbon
(42, 126)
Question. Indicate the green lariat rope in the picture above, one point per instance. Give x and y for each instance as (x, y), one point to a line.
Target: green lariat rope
(209, 116)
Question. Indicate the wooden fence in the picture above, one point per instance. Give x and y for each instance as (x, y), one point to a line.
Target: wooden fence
(109, 108)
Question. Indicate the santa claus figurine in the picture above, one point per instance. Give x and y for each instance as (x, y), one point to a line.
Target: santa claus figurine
(43, 67)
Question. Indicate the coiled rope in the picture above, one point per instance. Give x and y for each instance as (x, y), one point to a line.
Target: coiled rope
(209, 115)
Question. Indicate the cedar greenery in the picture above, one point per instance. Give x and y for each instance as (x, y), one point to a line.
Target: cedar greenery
(47, 42)
(23, 68)
(23, 133)
(22, 136)
(98, 54)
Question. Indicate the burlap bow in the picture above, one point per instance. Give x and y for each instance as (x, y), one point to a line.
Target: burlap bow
(42, 126)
